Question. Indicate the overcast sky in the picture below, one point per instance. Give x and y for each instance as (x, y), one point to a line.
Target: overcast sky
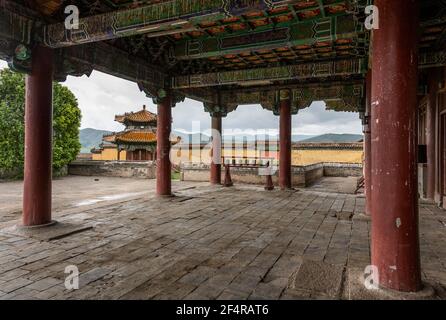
(102, 96)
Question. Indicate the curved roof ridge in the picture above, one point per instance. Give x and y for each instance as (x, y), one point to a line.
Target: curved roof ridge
(141, 116)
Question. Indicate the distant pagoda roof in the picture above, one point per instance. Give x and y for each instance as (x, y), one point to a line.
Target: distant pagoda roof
(109, 138)
(136, 136)
(142, 116)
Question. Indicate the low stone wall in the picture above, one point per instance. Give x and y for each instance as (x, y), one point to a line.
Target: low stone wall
(342, 170)
(10, 174)
(313, 173)
(17, 174)
(123, 169)
(301, 176)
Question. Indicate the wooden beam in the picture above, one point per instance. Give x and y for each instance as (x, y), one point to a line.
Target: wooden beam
(46, 7)
(432, 59)
(341, 96)
(15, 26)
(150, 18)
(267, 75)
(110, 60)
(285, 34)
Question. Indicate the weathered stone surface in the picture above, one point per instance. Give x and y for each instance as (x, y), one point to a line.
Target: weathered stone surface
(44, 284)
(344, 216)
(52, 232)
(301, 176)
(355, 289)
(206, 243)
(319, 278)
(123, 169)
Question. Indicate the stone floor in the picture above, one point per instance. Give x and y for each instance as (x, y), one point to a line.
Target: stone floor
(205, 243)
(77, 191)
(336, 185)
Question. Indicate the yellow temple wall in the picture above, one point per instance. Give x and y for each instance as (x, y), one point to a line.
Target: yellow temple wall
(307, 157)
(299, 157)
(109, 154)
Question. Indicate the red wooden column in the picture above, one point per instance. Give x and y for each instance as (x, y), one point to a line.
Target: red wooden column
(163, 165)
(431, 113)
(368, 147)
(216, 150)
(38, 139)
(285, 141)
(395, 242)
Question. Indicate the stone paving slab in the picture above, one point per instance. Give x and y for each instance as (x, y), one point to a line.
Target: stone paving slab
(52, 232)
(318, 278)
(207, 243)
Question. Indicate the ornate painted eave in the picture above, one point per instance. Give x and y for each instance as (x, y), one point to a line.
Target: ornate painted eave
(16, 28)
(13, 26)
(348, 96)
(47, 7)
(264, 76)
(216, 51)
(344, 31)
(152, 18)
(108, 59)
(432, 59)
(301, 95)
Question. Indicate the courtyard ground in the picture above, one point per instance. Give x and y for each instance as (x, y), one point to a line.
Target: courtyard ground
(205, 243)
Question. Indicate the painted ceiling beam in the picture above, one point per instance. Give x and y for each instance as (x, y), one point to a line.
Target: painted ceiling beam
(14, 26)
(17, 25)
(264, 76)
(150, 18)
(326, 90)
(338, 96)
(432, 59)
(300, 33)
(108, 59)
(205, 95)
(349, 95)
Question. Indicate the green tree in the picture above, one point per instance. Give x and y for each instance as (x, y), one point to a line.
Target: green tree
(66, 123)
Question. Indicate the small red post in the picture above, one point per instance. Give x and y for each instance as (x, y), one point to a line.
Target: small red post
(228, 180)
(245, 148)
(163, 167)
(395, 238)
(269, 181)
(267, 146)
(233, 152)
(285, 141)
(38, 139)
(216, 150)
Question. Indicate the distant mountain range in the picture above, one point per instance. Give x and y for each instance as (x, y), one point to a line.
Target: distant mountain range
(334, 138)
(91, 138)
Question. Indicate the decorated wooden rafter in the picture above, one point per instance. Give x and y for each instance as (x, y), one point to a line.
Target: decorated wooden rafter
(154, 18)
(216, 51)
(258, 76)
(344, 31)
